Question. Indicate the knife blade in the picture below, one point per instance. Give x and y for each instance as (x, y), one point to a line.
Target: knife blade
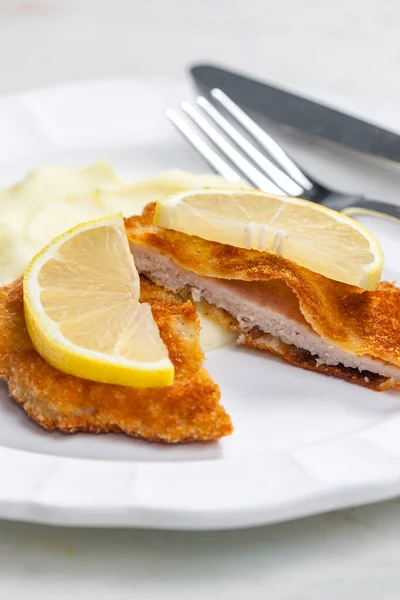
(299, 113)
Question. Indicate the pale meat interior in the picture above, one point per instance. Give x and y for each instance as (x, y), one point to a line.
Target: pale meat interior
(268, 307)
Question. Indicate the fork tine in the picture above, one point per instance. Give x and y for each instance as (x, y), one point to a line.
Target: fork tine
(215, 161)
(255, 177)
(279, 177)
(265, 140)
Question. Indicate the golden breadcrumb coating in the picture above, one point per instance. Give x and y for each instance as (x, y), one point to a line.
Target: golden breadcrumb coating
(360, 322)
(187, 411)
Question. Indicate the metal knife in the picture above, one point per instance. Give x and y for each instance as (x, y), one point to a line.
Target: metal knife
(299, 113)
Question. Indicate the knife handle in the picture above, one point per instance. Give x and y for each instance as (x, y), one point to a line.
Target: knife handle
(358, 205)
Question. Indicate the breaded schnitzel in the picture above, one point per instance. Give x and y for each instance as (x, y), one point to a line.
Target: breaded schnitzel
(309, 320)
(186, 411)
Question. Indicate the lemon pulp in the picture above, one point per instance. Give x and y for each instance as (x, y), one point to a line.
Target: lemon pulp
(81, 300)
(308, 234)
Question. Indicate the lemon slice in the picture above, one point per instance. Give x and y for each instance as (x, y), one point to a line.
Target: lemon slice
(82, 310)
(323, 240)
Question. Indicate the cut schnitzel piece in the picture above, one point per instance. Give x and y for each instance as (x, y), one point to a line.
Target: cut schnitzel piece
(308, 319)
(187, 411)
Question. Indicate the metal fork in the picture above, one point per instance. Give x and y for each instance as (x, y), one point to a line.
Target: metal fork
(264, 164)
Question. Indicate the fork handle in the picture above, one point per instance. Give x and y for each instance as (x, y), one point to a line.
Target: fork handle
(358, 205)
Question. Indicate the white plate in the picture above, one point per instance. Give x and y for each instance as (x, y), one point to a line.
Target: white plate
(303, 443)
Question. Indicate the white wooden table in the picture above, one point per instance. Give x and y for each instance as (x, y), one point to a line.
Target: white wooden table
(345, 48)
